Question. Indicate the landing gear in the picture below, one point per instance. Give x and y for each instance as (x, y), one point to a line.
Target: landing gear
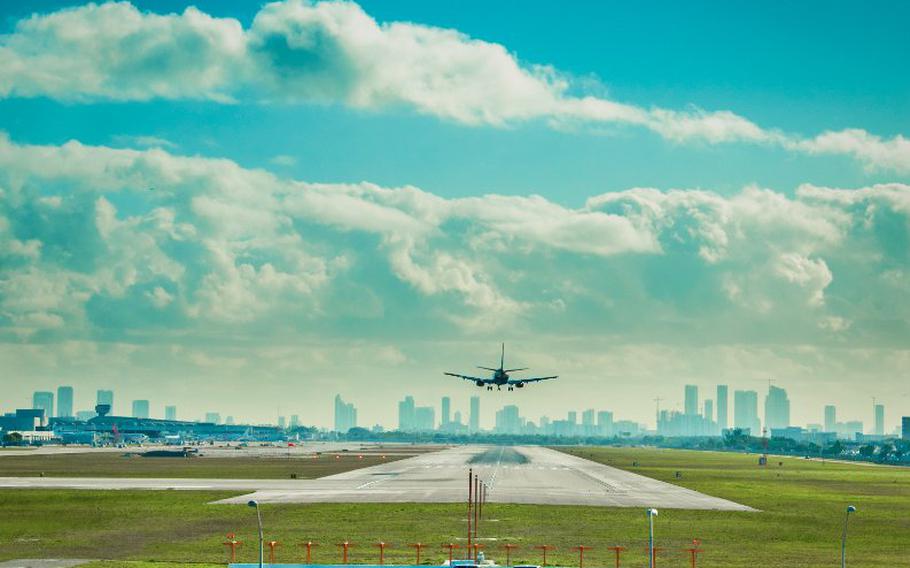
(499, 388)
(511, 389)
(489, 388)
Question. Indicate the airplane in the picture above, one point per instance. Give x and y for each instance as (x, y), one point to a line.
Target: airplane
(501, 376)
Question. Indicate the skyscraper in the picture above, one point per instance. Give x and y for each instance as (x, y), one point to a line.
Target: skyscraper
(830, 418)
(604, 423)
(745, 411)
(475, 414)
(44, 400)
(406, 418)
(691, 405)
(446, 410)
(879, 411)
(65, 402)
(777, 408)
(140, 409)
(170, 413)
(709, 410)
(345, 415)
(722, 399)
(905, 427)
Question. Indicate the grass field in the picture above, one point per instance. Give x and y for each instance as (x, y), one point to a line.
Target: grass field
(802, 510)
(114, 464)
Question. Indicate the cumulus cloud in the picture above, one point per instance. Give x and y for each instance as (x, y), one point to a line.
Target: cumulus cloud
(87, 247)
(334, 52)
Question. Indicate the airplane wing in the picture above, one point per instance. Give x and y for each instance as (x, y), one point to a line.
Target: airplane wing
(469, 378)
(531, 380)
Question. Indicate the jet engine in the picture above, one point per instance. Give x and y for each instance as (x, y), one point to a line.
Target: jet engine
(479, 383)
(519, 385)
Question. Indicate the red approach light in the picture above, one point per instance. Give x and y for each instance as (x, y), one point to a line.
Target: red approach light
(337, 457)
(360, 457)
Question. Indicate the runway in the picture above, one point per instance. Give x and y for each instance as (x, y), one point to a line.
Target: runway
(524, 474)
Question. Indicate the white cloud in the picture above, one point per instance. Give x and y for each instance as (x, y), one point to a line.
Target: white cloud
(297, 51)
(218, 246)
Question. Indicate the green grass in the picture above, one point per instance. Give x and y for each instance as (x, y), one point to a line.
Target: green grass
(114, 464)
(799, 526)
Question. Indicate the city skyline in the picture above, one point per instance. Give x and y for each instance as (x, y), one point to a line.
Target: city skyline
(696, 417)
(245, 227)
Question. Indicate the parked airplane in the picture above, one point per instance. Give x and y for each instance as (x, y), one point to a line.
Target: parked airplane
(501, 376)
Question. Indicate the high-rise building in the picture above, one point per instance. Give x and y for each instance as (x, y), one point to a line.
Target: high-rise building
(229, 420)
(282, 422)
(572, 417)
(709, 410)
(446, 410)
(295, 420)
(587, 417)
(777, 408)
(170, 412)
(424, 418)
(475, 414)
(879, 412)
(905, 427)
(407, 421)
(65, 402)
(457, 419)
(345, 415)
(830, 418)
(213, 417)
(140, 409)
(722, 399)
(745, 411)
(604, 423)
(105, 397)
(691, 404)
(45, 401)
(508, 420)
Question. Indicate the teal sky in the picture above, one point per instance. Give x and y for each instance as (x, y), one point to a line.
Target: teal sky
(353, 198)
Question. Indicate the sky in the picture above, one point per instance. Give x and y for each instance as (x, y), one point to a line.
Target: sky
(248, 208)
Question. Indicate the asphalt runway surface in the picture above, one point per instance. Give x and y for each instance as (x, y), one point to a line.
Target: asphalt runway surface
(524, 474)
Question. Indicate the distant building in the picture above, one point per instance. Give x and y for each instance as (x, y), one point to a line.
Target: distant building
(745, 411)
(457, 419)
(45, 401)
(213, 417)
(229, 421)
(140, 409)
(446, 411)
(587, 422)
(170, 412)
(65, 402)
(777, 408)
(879, 419)
(105, 397)
(709, 410)
(830, 418)
(604, 423)
(85, 415)
(474, 417)
(508, 421)
(851, 429)
(691, 400)
(345, 415)
(424, 418)
(722, 399)
(905, 427)
(282, 422)
(572, 417)
(23, 420)
(295, 420)
(407, 416)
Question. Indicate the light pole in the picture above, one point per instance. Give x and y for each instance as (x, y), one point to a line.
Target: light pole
(843, 540)
(255, 505)
(651, 514)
